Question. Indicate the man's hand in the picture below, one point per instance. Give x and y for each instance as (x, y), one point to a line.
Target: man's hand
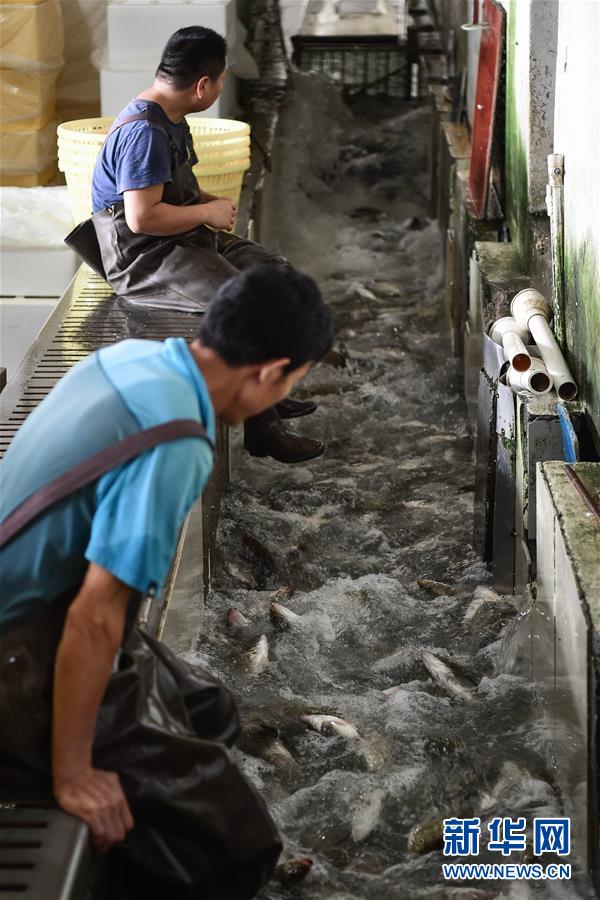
(220, 213)
(145, 212)
(96, 797)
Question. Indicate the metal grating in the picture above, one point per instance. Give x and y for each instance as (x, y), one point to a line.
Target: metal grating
(89, 316)
(371, 64)
(45, 854)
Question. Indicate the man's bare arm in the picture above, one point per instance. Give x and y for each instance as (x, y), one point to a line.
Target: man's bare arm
(92, 634)
(145, 213)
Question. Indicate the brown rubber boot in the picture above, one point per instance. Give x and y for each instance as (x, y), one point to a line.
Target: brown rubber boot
(264, 435)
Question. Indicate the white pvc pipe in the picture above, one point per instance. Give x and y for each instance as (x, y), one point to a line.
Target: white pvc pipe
(511, 336)
(532, 311)
(536, 379)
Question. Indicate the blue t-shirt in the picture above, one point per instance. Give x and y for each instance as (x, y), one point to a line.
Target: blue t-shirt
(139, 154)
(128, 521)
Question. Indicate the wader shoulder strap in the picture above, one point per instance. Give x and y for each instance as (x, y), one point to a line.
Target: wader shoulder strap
(137, 117)
(94, 467)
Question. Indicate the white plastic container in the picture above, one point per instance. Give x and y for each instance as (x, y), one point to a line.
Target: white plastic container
(21, 320)
(119, 86)
(138, 32)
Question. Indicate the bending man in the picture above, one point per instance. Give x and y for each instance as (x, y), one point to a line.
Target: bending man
(132, 740)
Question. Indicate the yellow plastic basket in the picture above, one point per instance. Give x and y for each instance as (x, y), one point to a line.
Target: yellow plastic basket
(222, 147)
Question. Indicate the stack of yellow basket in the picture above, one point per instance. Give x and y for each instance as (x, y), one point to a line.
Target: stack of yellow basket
(222, 147)
(31, 58)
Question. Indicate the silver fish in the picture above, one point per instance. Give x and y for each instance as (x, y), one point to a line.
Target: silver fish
(235, 618)
(481, 595)
(436, 588)
(453, 683)
(242, 575)
(510, 781)
(282, 617)
(257, 657)
(332, 725)
(367, 815)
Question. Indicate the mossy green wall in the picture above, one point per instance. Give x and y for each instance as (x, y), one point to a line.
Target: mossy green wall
(516, 151)
(582, 321)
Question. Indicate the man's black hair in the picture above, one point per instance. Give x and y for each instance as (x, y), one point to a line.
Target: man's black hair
(190, 54)
(268, 312)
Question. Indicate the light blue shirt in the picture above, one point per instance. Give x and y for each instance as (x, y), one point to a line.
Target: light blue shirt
(128, 521)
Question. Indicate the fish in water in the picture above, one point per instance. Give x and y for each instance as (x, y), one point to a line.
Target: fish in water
(235, 618)
(358, 291)
(293, 870)
(436, 588)
(453, 683)
(367, 815)
(282, 617)
(445, 892)
(242, 575)
(256, 659)
(481, 596)
(428, 835)
(513, 780)
(389, 692)
(331, 725)
(259, 739)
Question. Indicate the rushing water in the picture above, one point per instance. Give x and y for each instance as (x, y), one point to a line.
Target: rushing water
(349, 534)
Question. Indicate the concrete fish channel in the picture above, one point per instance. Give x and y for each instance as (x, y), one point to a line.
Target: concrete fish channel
(348, 536)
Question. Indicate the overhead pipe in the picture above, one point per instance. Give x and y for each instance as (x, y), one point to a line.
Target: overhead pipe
(536, 379)
(532, 311)
(509, 334)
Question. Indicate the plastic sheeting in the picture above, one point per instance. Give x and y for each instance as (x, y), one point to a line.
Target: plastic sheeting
(78, 85)
(27, 98)
(28, 151)
(34, 217)
(31, 35)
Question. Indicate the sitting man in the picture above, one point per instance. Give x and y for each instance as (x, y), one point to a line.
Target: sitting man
(156, 235)
(95, 487)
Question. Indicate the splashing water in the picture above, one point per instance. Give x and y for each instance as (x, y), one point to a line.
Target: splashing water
(350, 533)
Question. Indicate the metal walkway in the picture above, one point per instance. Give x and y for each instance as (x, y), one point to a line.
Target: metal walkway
(88, 317)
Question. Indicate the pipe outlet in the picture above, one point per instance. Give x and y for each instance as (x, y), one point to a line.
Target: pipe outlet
(532, 311)
(509, 334)
(529, 303)
(536, 379)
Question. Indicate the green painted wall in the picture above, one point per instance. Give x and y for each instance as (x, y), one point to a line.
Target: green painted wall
(516, 153)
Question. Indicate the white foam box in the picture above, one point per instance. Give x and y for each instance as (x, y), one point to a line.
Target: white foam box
(37, 271)
(119, 86)
(137, 33)
(292, 15)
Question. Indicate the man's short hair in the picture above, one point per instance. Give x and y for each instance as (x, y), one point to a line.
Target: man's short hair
(190, 54)
(268, 312)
